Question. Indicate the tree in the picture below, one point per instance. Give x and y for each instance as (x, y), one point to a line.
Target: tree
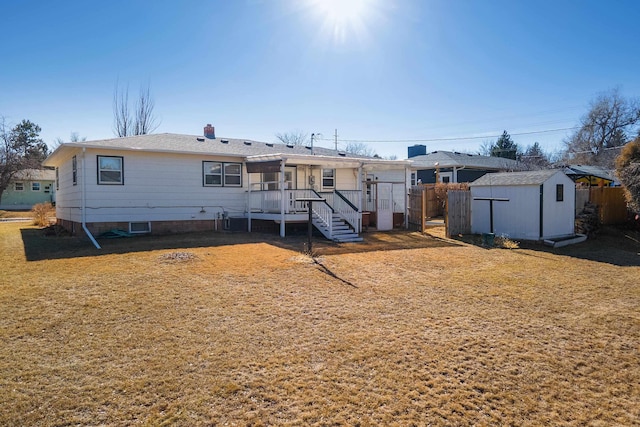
(21, 148)
(534, 157)
(360, 149)
(603, 130)
(141, 120)
(296, 137)
(73, 137)
(505, 147)
(628, 171)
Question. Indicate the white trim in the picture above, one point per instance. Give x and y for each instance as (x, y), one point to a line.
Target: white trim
(148, 230)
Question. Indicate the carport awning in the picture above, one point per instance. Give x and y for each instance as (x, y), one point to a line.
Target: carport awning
(327, 161)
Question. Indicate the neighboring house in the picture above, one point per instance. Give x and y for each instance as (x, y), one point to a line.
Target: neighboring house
(29, 187)
(171, 183)
(593, 176)
(534, 205)
(447, 166)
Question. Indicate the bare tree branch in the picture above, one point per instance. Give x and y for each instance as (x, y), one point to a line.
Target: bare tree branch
(142, 121)
(296, 137)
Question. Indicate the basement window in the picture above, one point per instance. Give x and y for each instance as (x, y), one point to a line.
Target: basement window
(140, 227)
(559, 192)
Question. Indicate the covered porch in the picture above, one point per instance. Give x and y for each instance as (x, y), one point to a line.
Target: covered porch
(277, 183)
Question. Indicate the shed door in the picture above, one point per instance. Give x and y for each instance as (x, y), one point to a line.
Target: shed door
(384, 206)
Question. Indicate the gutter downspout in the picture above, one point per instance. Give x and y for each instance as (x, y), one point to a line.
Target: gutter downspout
(84, 208)
(282, 198)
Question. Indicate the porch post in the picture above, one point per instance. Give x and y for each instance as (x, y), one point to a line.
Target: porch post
(282, 198)
(249, 203)
(407, 183)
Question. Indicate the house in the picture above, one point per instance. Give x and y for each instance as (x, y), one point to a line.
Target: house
(166, 183)
(533, 205)
(593, 176)
(447, 166)
(27, 188)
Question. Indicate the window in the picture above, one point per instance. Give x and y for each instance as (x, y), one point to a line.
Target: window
(414, 178)
(139, 227)
(233, 174)
(110, 170)
(559, 192)
(219, 174)
(35, 186)
(212, 173)
(18, 186)
(74, 169)
(328, 178)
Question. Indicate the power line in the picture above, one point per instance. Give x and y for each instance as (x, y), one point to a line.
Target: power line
(454, 139)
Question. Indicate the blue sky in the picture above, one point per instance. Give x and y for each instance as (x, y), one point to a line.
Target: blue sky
(377, 70)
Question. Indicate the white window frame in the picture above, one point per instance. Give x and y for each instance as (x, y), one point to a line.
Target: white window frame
(101, 170)
(35, 186)
(327, 179)
(18, 184)
(145, 231)
(206, 166)
(228, 175)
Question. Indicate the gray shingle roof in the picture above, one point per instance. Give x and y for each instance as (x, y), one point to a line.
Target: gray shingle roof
(447, 159)
(193, 144)
(585, 170)
(515, 178)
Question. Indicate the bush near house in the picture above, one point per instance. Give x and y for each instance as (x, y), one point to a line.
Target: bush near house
(41, 214)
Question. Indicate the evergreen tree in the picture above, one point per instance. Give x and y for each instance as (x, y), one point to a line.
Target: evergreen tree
(535, 157)
(20, 148)
(505, 147)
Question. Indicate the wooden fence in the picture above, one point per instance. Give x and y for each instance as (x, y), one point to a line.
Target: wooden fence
(458, 212)
(423, 204)
(612, 206)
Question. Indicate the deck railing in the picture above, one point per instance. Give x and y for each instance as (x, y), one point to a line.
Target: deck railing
(323, 218)
(270, 201)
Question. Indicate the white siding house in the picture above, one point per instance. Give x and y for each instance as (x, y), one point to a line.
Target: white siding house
(534, 205)
(172, 183)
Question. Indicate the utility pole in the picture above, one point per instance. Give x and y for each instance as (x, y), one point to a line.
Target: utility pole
(335, 135)
(313, 135)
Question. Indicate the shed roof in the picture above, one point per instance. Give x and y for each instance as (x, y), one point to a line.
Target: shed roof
(515, 178)
(447, 159)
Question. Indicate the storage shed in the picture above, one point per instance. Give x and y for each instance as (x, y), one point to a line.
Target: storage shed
(533, 205)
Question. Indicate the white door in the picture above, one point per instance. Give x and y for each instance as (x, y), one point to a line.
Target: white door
(384, 206)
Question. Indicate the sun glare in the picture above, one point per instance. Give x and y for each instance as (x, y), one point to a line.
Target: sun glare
(343, 20)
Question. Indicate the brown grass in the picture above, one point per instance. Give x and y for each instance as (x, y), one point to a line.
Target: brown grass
(15, 214)
(224, 329)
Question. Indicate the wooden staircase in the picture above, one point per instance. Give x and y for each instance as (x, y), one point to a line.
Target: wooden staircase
(339, 231)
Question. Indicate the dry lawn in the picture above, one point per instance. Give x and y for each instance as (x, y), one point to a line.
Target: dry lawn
(227, 330)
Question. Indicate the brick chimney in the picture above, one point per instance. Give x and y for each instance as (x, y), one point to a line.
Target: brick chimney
(210, 131)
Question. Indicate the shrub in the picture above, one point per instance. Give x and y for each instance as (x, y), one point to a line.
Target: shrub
(41, 213)
(443, 187)
(628, 169)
